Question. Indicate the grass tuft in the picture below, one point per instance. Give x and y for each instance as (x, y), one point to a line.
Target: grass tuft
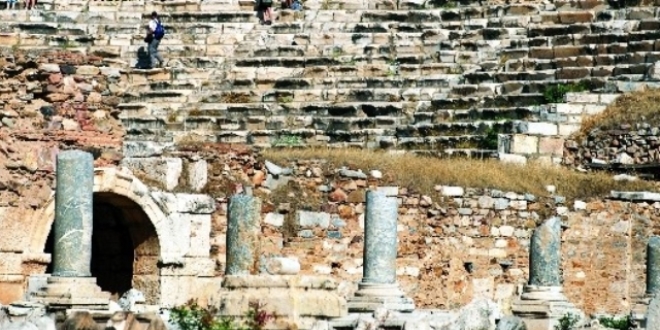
(631, 108)
(422, 174)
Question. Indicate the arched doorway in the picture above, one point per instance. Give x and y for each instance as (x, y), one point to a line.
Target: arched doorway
(125, 247)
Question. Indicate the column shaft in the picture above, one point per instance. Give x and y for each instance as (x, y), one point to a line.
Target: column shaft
(545, 254)
(243, 230)
(653, 265)
(380, 239)
(72, 228)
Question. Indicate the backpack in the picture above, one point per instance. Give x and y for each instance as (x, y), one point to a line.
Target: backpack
(267, 2)
(159, 33)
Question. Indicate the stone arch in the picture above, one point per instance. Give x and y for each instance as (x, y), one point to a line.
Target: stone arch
(122, 184)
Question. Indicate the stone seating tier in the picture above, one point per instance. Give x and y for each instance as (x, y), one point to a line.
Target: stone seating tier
(423, 75)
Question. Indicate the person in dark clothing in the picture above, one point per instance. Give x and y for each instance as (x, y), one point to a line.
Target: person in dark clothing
(265, 8)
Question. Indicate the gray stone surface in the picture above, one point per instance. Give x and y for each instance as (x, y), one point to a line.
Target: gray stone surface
(313, 219)
(243, 230)
(511, 323)
(73, 214)
(653, 265)
(653, 315)
(380, 238)
(545, 254)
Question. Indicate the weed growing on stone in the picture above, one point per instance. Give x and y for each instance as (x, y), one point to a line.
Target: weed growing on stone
(191, 316)
(556, 93)
(567, 322)
(284, 99)
(288, 141)
(423, 173)
(622, 323)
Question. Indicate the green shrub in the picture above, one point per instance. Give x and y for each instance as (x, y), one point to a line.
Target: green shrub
(556, 93)
(567, 322)
(622, 323)
(191, 316)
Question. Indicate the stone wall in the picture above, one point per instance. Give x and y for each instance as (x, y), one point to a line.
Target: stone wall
(454, 245)
(47, 103)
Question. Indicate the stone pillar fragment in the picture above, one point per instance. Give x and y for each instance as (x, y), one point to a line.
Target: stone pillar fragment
(380, 239)
(646, 311)
(543, 302)
(243, 230)
(72, 229)
(378, 288)
(653, 265)
(545, 254)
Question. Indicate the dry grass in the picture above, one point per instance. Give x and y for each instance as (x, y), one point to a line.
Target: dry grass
(631, 108)
(421, 174)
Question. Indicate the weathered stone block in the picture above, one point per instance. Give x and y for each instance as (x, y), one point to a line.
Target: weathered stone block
(10, 263)
(551, 146)
(200, 233)
(197, 175)
(542, 128)
(313, 219)
(164, 172)
(191, 267)
(524, 144)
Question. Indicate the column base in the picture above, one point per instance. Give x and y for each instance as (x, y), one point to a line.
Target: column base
(72, 292)
(371, 296)
(638, 312)
(541, 307)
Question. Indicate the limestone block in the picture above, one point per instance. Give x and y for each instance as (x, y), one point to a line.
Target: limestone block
(285, 296)
(164, 171)
(204, 267)
(178, 245)
(200, 234)
(197, 204)
(313, 219)
(542, 128)
(551, 146)
(274, 219)
(197, 175)
(524, 144)
(566, 130)
(573, 109)
(177, 290)
(451, 191)
(133, 149)
(12, 288)
(10, 263)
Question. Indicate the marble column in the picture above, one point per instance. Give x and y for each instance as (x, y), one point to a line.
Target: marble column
(543, 302)
(243, 230)
(72, 229)
(653, 265)
(545, 254)
(71, 283)
(380, 239)
(379, 287)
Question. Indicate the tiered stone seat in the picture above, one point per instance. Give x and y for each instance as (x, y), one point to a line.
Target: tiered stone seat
(425, 75)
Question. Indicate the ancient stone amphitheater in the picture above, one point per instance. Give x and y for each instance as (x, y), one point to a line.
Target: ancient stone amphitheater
(430, 75)
(512, 80)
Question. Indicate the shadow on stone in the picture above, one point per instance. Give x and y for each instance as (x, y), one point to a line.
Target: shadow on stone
(143, 60)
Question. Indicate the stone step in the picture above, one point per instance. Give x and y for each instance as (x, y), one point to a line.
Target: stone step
(492, 114)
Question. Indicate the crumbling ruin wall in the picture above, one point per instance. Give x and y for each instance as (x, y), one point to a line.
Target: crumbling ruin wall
(453, 246)
(47, 103)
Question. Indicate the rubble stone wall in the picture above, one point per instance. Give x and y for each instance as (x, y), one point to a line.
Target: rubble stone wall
(48, 103)
(455, 245)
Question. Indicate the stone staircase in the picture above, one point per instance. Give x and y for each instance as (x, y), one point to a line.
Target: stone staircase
(412, 74)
